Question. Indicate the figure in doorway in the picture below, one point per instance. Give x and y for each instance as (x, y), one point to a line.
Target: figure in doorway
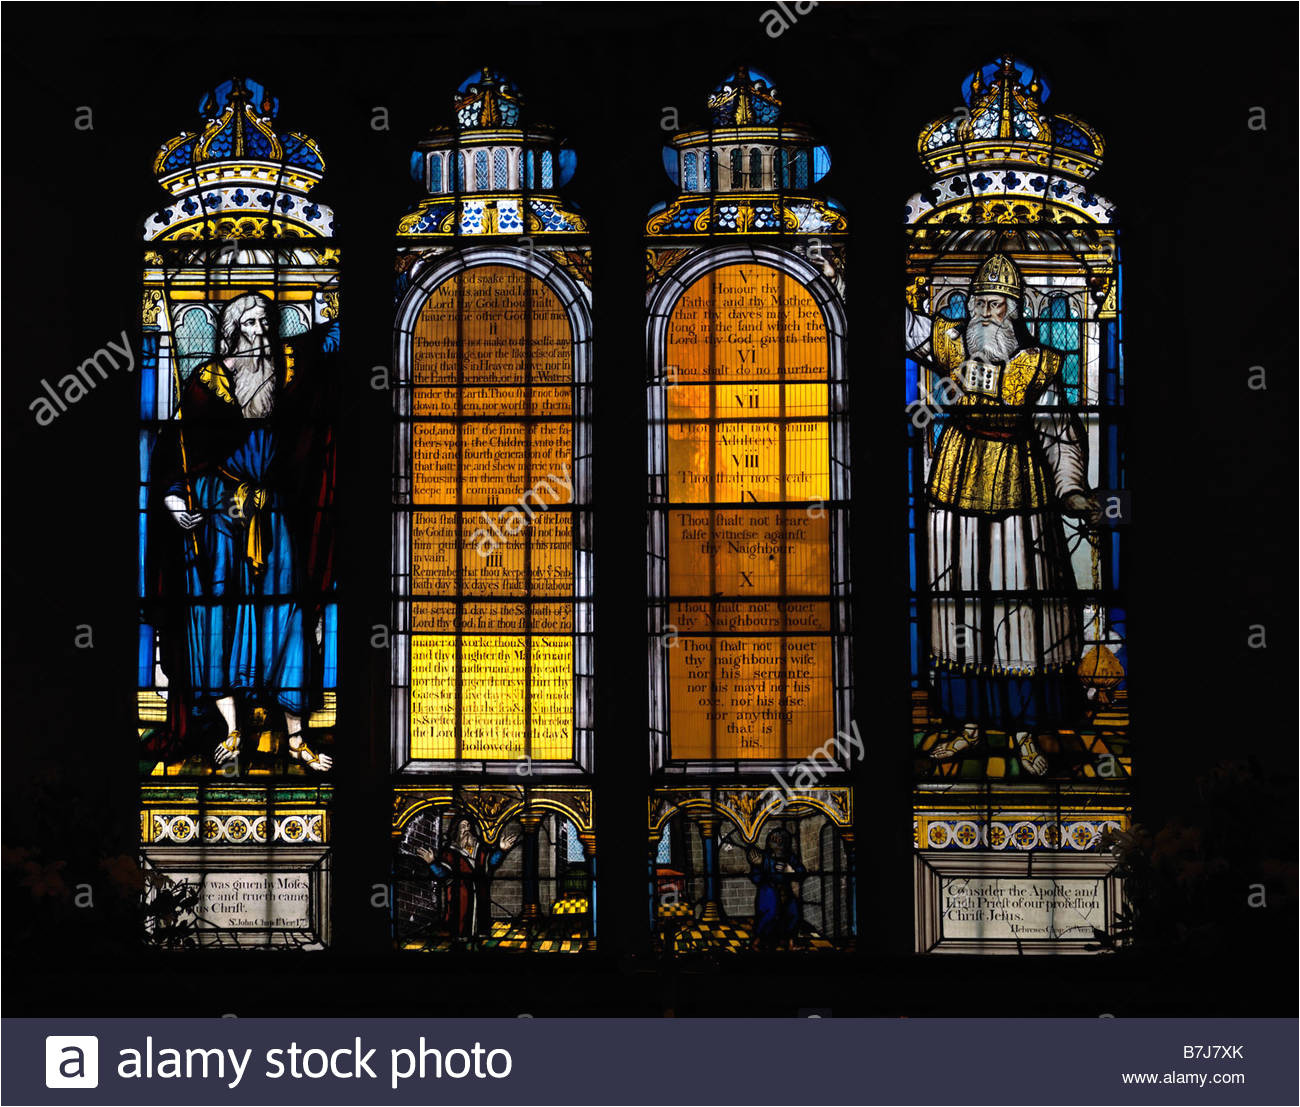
(776, 872)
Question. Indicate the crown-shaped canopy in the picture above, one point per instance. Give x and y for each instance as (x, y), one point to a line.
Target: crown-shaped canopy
(1005, 124)
(237, 175)
(238, 144)
(748, 171)
(487, 173)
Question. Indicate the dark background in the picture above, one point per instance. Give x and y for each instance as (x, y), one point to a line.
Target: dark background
(1208, 211)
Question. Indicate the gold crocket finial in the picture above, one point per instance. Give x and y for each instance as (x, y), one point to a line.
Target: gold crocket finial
(998, 276)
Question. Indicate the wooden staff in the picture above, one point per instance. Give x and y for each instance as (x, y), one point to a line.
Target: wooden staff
(185, 471)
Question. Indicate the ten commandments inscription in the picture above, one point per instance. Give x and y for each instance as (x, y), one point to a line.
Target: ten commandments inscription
(748, 534)
(492, 530)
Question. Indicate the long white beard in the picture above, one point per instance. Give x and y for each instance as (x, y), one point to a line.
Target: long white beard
(254, 380)
(992, 341)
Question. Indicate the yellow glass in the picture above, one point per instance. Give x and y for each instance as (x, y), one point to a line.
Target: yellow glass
(748, 417)
(493, 348)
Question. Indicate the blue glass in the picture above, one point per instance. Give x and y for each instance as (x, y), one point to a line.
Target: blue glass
(573, 844)
(548, 180)
(664, 856)
(148, 377)
(330, 644)
(212, 103)
(821, 162)
(914, 633)
(913, 382)
(669, 155)
(692, 177)
(297, 152)
(566, 162)
(1024, 70)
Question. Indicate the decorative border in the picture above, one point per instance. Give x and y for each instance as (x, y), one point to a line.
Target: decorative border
(1022, 184)
(749, 808)
(494, 805)
(217, 203)
(182, 827)
(1017, 834)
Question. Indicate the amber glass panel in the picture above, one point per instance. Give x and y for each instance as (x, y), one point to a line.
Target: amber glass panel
(748, 533)
(492, 531)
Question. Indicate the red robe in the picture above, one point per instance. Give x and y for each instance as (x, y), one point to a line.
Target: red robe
(467, 898)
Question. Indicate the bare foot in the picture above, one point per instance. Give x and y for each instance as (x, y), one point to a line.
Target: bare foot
(1031, 759)
(299, 751)
(968, 741)
(227, 749)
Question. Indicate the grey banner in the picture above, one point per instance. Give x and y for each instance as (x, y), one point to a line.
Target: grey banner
(650, 1061)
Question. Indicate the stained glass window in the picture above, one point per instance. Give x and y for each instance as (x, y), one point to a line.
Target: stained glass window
(1015, 392)
(493, 571)
(749, 488)
(237, 648)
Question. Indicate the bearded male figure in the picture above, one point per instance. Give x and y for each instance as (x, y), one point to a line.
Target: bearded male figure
(465, 867)
(1005, 623)
(241, 492)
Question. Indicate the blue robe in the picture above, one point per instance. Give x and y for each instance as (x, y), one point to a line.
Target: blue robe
(776, 907)
(224, 626)
(245, 627)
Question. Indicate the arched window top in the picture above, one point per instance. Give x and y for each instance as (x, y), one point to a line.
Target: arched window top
(690, 177)
(548, 172)
(481, 180)
(500, 169)
(755, 168)
(435, 172)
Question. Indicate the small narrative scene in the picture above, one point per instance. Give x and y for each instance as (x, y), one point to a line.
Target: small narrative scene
(736, 870)
(494, 867)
